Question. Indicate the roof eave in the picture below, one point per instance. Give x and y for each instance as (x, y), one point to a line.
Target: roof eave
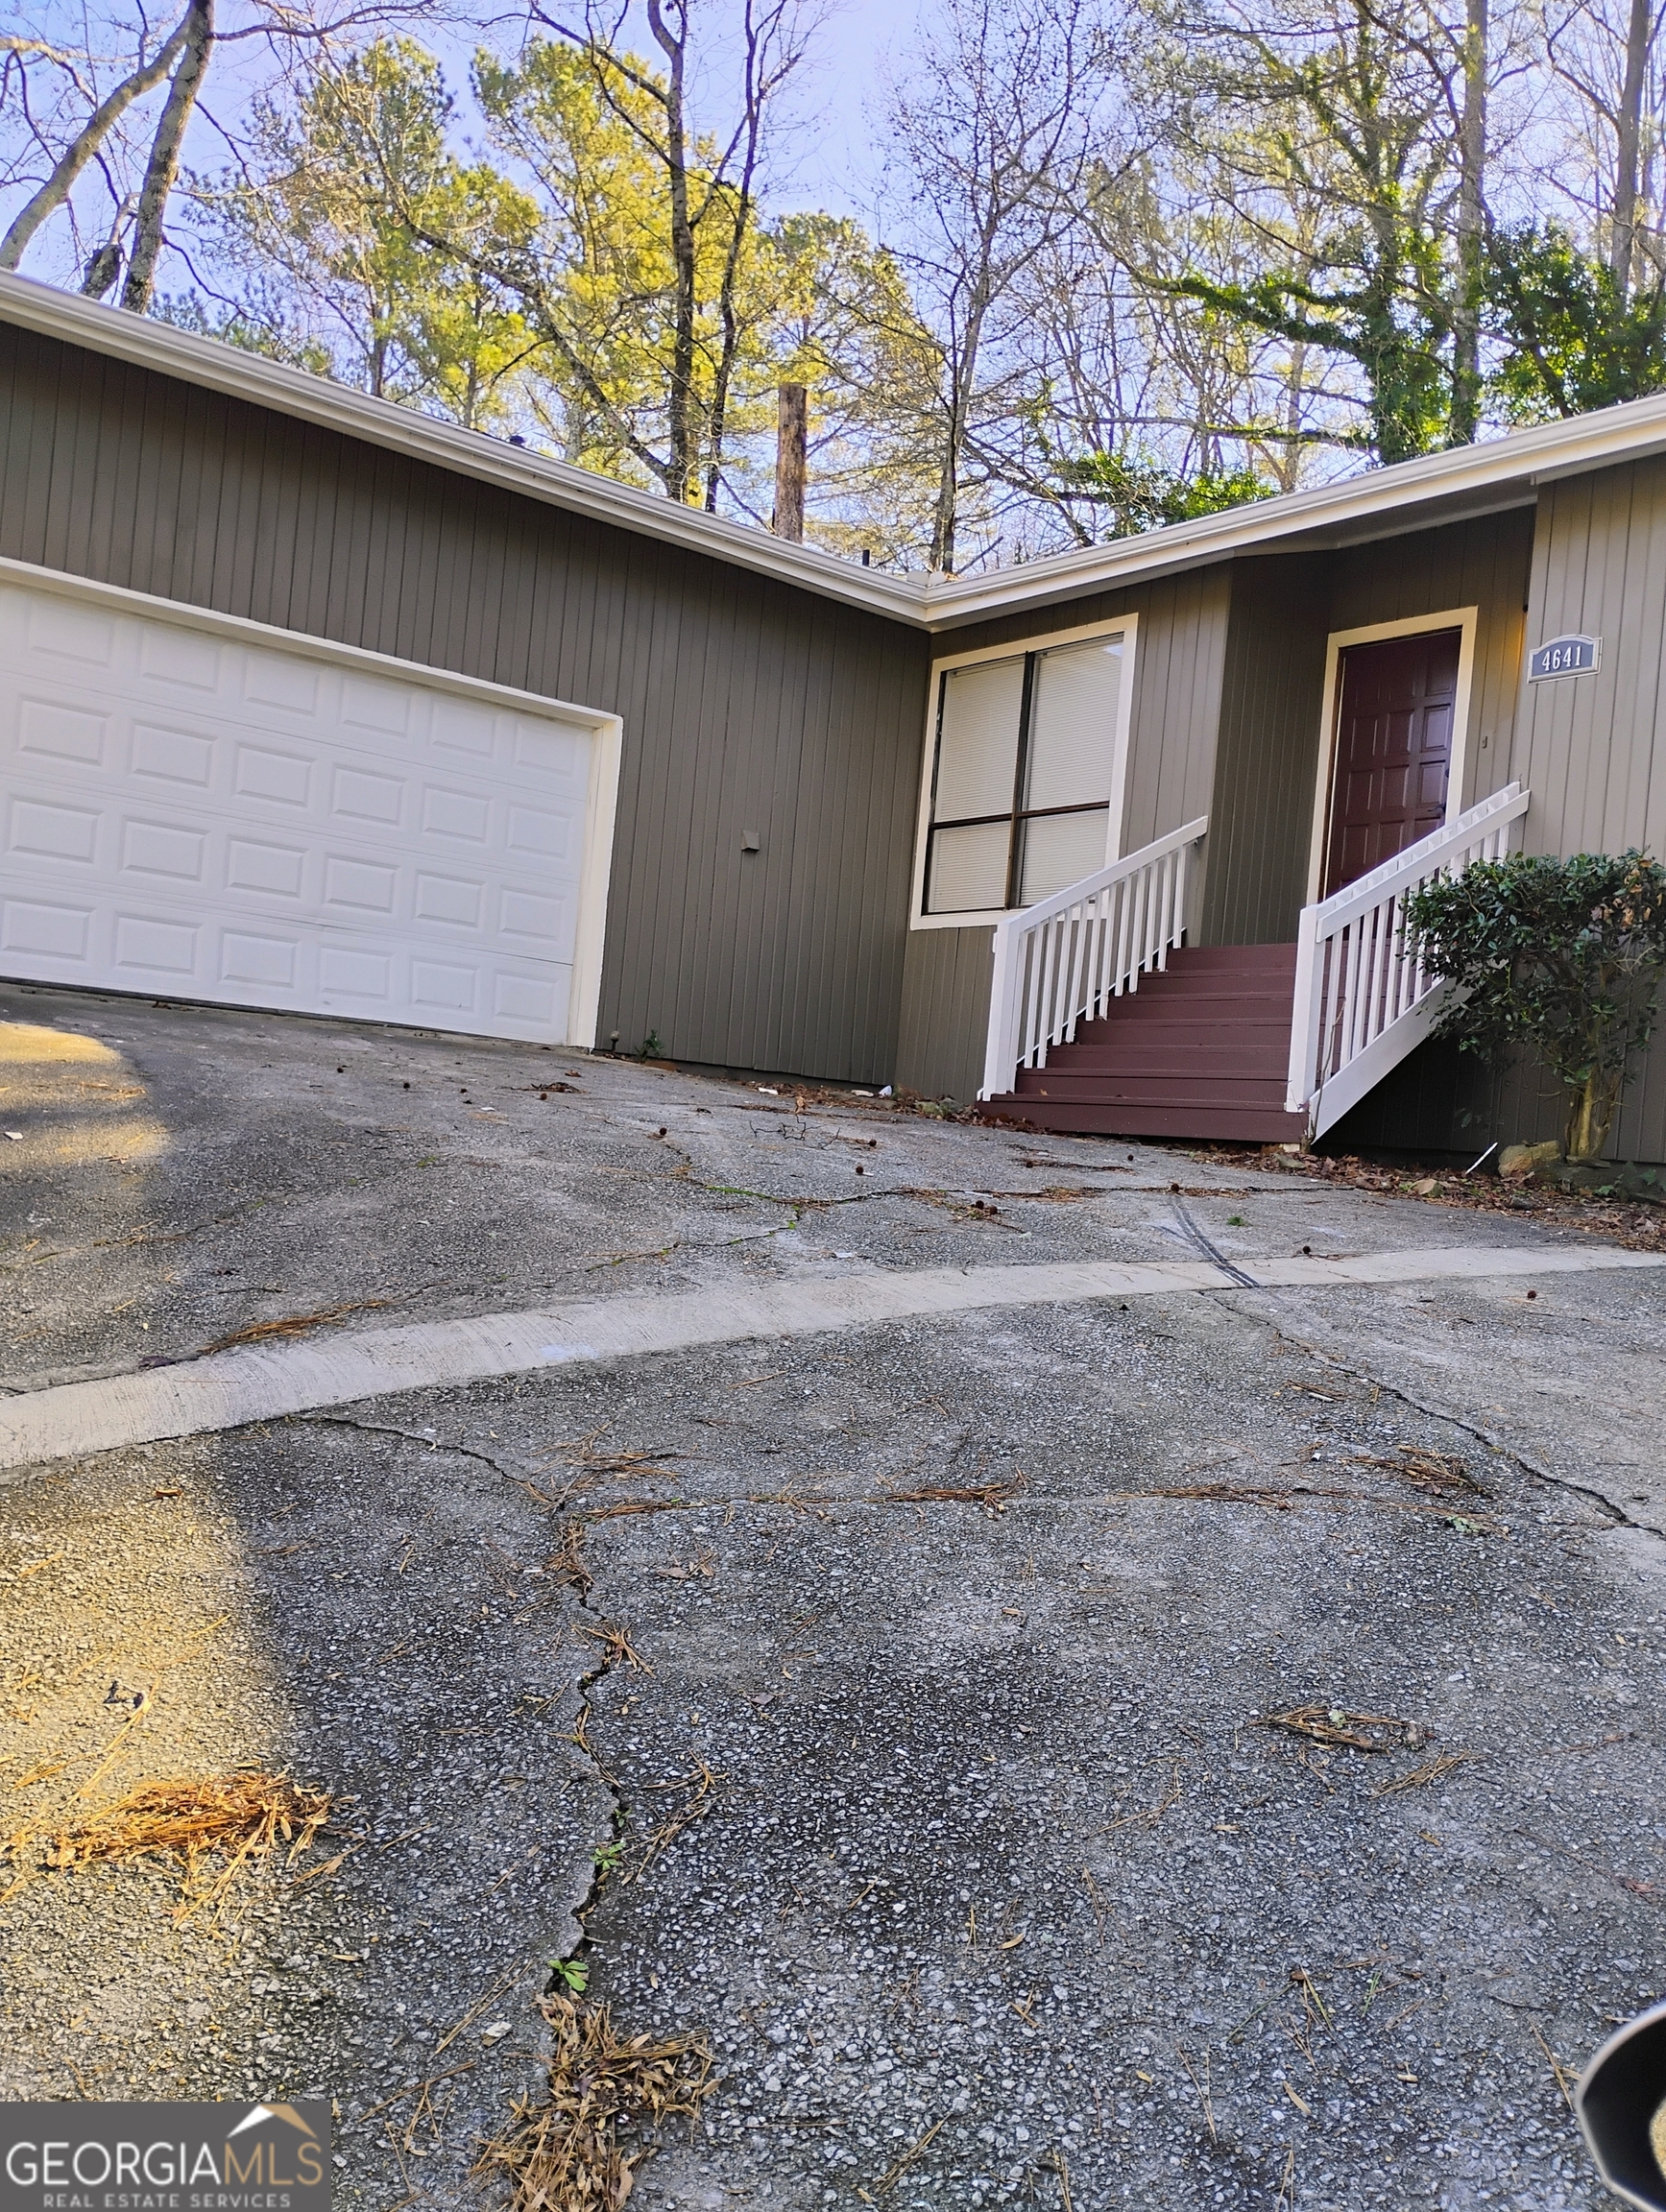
(1469, 480)
(214, 366)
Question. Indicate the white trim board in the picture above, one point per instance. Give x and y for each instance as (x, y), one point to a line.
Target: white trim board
(1123, 626)
(604, 730)
(1466, 621)
(1454, 485)
(264, 1383)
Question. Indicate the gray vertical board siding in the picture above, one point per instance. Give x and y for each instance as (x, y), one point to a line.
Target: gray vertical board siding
(946, 984)
(1178, 661)
(1592, 752)
(1272, 690)
(738, 694)
(1284, 608)
(1592, 749)
(1439, 1100)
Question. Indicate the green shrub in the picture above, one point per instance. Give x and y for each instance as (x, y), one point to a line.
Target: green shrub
(1563, 955)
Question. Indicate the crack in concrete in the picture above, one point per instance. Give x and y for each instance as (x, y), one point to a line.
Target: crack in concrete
(429, 1441)
(1529, 1466)
(582, 1584)
(619, 1811)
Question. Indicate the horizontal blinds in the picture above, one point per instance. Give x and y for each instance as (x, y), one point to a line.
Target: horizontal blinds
(1057, 829)
(977, 742)
(1073, 725)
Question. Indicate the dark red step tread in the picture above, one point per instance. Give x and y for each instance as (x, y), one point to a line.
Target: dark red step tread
(1199, 1051)
(1240, 1124)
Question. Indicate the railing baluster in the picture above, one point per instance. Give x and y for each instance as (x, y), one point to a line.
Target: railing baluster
(1081, 964)
(1357, 973)
(1064, 959)
(1124, 916)
(1166, 909)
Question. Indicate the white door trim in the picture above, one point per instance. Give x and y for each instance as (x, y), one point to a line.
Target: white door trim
(605, 731)
(1465, 619)
(1123, 626)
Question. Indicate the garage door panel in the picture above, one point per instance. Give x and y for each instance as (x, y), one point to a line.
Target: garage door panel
(208, 817)
(48, 930)
(48, 728)
(177, 954)
(155, 859)
(44, 829)
(57, 630)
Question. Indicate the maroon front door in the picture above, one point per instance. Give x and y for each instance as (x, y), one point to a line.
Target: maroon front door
(1393, 750)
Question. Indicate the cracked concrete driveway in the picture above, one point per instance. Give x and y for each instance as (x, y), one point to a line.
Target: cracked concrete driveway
(887, 1696)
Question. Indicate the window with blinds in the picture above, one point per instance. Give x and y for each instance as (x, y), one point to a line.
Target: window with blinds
(1021, 786)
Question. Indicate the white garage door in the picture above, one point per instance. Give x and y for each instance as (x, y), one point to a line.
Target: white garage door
(208, 811)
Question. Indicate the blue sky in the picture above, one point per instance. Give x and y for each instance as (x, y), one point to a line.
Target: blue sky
(827, 160)
(836, 160)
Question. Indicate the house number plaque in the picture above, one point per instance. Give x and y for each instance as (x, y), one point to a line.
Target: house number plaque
(1564, 656)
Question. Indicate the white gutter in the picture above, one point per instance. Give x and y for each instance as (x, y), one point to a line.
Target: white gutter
(1499, 473)
(1477, 478)
(206, 361)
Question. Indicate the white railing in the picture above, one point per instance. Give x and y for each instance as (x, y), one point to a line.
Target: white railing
(1064, 959)
(1363, 998)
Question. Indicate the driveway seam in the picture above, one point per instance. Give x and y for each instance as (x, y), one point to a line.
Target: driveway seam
(227, 1390)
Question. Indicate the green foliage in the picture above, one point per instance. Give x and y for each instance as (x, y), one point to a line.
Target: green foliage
(652, 1049)
(1377, 324)
(1573, 337)
(1565, 957)
(334, 207)
(1332, 133)
(573, 1974)
(1141, 495)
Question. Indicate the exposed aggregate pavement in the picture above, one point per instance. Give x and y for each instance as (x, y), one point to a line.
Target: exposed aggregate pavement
(950, 1823)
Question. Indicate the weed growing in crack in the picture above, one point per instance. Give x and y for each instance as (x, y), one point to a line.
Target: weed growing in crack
(563, 2147)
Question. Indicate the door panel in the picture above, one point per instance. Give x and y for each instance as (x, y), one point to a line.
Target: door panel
(221, 818)
(1395, 720)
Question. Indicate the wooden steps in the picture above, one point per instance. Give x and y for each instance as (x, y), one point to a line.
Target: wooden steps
(1201, 1049)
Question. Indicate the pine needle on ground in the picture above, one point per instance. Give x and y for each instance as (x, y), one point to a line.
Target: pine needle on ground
(562, 2152)
(229, 1818)
(1355, 1731)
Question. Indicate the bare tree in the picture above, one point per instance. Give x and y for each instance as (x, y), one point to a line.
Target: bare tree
(163, 164)
(989, 118)
(1607, 53)
(83, 127)
(1471, 228)
(85, 142)
(712, 185)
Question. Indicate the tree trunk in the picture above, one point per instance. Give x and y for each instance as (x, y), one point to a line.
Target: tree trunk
(948, 497)
(57, 189)
(681, 407)
(1628, 141)
(163, 165)
(791, 449)
(1465, 416)
(1591, 1111)
(962, 375)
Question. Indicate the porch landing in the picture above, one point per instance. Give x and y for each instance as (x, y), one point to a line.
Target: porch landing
(1201, 1049)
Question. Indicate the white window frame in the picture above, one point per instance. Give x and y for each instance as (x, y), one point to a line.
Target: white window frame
(1464, 619)
(1123, 626)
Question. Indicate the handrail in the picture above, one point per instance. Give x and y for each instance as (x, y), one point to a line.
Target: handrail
(1062, 960)
(1362, 996)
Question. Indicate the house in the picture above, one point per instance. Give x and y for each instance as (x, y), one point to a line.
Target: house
(311, 702)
